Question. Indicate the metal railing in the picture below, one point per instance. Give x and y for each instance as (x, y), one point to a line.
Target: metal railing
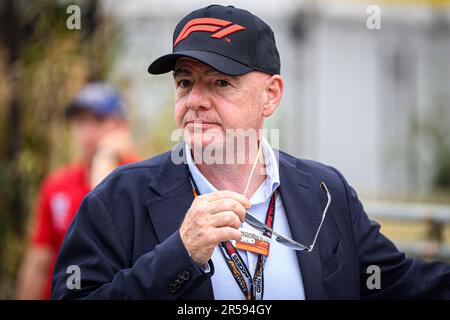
(434, 217)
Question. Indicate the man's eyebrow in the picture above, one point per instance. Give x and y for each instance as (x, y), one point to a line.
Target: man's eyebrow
(215, 72)
(210, 72)
(180, 71)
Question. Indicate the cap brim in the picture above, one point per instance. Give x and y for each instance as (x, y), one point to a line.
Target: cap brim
(221, 63)
(74, 108)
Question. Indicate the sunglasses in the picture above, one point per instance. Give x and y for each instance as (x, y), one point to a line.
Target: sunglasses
(251, 220)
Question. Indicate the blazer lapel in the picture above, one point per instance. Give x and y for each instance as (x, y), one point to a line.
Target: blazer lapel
(299, 195)
(168, 208)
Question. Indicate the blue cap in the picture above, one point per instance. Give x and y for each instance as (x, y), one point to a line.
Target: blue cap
(98, 97)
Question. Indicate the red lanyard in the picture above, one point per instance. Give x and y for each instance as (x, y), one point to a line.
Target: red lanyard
(235, 262)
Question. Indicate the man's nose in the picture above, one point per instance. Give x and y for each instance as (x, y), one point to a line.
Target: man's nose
(198, 97)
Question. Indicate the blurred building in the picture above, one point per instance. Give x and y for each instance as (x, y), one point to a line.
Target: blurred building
(354, 97)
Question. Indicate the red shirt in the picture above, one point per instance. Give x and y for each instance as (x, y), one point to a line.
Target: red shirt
(60, 196)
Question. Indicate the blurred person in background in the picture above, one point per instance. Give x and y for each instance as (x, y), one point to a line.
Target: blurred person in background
(103, 139)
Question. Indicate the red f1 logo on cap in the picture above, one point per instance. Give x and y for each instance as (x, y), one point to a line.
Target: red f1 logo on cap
(215, 26)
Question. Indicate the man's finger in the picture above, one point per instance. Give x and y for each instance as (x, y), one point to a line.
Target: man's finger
(214, 196)
(225, 234)
(227, 204)
(226, 219)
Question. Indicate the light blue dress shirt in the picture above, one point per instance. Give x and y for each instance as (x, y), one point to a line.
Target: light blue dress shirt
(282, 275)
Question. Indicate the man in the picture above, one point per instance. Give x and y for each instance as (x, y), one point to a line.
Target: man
(102, 137)
(170, 229)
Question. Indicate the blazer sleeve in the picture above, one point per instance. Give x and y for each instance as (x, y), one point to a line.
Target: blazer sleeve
(401, 277)
(92, 245)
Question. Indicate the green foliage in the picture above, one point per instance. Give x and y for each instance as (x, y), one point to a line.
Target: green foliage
(53, 63)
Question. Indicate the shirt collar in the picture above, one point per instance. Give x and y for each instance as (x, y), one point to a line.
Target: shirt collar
(264, 191)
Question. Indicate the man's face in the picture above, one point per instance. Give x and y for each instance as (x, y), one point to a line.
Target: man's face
(212, 102)
(89, 129)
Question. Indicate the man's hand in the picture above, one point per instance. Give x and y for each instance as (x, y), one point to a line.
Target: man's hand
(118, 142)
(112, 149)
(211, 219)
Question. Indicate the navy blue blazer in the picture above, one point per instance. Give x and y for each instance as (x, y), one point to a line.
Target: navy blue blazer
(125, 239)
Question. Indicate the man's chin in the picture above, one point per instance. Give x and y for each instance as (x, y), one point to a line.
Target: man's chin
(212, 138)
(205, 144)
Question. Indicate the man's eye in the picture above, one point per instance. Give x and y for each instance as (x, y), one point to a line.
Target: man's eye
(183, 83)
(222, 83)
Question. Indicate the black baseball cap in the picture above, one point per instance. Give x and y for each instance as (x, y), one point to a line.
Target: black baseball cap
(231, 40)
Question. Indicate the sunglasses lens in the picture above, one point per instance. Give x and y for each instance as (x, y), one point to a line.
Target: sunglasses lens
(254, 222)
(292, 245)
(284, 240)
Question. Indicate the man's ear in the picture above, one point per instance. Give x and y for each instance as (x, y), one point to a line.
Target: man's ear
(272, 94)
